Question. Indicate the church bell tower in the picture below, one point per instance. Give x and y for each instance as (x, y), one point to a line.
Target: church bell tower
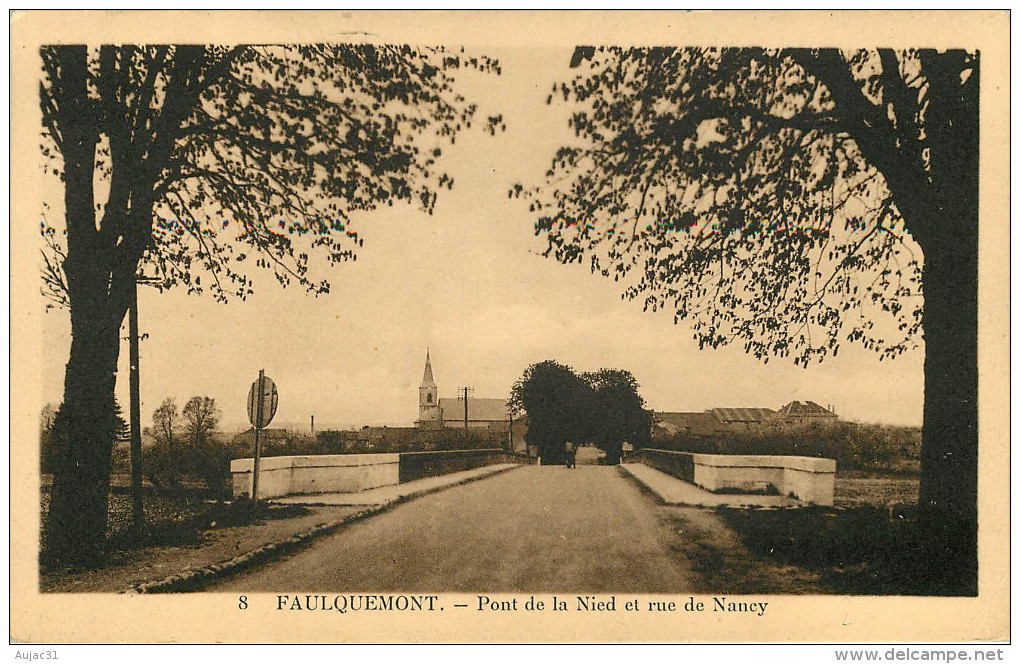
(429, 414)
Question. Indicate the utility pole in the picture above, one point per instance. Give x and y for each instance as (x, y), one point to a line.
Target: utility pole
(466, 390)
(137, 510)
(258, 429)
(313, 427)
(135, 407)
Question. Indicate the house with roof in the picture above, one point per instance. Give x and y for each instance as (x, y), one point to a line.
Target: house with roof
(805, 413)
(480, 412)
(743, 419)
(720, 421)
(696, 424)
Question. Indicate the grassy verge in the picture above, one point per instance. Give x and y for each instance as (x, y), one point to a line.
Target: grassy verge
(721, 561)
(178, 517)
(855, 489)
(859, 550)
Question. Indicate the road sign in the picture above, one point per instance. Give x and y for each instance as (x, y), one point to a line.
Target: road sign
(270, 399)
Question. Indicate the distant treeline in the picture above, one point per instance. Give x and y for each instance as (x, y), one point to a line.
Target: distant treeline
(853, 446)
(380, 441)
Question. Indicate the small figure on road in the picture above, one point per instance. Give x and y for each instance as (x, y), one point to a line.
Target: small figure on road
(571, 455)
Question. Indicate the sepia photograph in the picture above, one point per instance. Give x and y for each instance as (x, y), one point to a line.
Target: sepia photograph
(493, 326)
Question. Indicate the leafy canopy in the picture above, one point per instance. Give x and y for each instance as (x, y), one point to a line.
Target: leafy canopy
(165, 420)
(726, 186)
(212, 157)
(618, 413)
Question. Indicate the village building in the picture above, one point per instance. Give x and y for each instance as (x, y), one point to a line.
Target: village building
(696, 424)
(720, 421)
(445, 413)
(744, 419)
(804, 413)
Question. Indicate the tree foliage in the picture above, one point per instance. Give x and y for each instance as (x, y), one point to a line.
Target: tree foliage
(618, 412)
(121, 429)
(165, 421)
(217, 157)
(198, 453)
(201, 418)
(602, 408)
(558, 404)
(732, 188)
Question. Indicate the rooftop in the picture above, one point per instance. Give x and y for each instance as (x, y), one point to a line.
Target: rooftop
(479, 409)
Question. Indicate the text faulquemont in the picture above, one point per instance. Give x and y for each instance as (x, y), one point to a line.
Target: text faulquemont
(352, 603)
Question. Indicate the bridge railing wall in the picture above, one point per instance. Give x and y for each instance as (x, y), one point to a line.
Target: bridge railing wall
(416, 465)
(677, 464)
(350, 473)
(809, 479)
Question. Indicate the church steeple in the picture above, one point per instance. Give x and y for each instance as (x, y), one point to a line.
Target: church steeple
(427, 380)
(429, 413)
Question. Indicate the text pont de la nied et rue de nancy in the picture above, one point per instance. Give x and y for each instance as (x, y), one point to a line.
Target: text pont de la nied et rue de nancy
(353, 603)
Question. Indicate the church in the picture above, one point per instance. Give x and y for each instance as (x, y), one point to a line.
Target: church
(436, 413)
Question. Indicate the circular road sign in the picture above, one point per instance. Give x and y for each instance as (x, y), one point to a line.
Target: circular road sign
(270, 399)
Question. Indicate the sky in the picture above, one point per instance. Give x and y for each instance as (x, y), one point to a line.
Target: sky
(469, 284)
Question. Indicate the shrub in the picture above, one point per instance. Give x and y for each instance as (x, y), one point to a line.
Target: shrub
(206, 460)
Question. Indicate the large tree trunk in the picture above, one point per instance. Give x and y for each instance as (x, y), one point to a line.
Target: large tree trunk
(949, 450)
(949, 453)
(83, 441)
(85, 425)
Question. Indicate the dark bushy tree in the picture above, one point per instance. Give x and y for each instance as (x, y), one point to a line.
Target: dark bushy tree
(212, 158)
(558, 403)
(165, 422)
(618, 412)
(778, 198)
(121, 429)
(201, 418)
(603, 408)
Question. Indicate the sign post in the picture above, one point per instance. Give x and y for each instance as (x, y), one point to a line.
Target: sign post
(262, 401)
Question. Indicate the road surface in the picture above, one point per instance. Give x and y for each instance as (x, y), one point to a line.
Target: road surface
(532, 529)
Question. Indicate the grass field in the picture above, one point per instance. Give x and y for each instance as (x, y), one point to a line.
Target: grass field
(855, 489)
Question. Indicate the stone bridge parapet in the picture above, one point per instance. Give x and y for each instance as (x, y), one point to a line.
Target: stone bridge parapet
(350, 473)
(809, 479)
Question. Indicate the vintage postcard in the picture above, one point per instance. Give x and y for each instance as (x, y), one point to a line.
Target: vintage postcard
(518, 327)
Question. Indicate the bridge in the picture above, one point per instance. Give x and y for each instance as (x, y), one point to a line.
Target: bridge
(529, 528)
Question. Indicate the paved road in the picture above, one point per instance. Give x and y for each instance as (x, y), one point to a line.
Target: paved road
(533, 529)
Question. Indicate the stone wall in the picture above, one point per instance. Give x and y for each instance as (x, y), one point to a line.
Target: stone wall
(319, 473)
(677, 464)
(416, 465)
(808, 479)
(349, 473)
